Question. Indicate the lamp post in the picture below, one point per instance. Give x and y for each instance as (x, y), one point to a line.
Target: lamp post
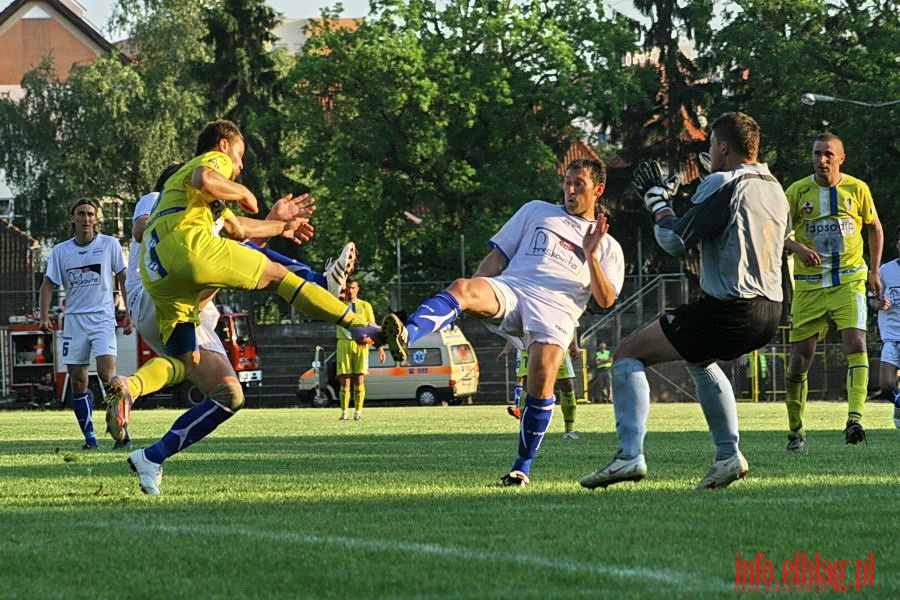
(810, 99)
(415, 221)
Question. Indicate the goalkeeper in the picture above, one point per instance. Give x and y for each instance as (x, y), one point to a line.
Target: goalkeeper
(737, 221)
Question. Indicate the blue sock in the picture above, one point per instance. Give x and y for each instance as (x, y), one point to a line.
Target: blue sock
(192, 426)
(631, 405)
(433, 314)
(517, 396)
(82, 404)
(295, 266)
(717, 401)
(535, 421)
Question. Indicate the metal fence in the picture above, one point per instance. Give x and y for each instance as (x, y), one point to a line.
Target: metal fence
(756, 377)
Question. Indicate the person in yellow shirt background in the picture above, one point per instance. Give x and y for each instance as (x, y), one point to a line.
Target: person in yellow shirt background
(353, 359)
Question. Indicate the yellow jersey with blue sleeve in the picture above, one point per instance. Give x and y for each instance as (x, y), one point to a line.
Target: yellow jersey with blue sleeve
(181, 205)
(181, 254)
(829, 220)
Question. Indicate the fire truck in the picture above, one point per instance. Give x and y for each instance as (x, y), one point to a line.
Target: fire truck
(26, 353)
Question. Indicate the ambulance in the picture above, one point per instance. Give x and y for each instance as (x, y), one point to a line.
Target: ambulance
(441, 369)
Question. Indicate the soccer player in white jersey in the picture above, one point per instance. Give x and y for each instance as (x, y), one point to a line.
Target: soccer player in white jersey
(738, 220)
(888, 306)
(88, 267)
(546, 262)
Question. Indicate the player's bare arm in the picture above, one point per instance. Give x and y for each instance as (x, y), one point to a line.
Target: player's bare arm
(297, 229)
(876, 246)
(492, 265)
(601, 289)
(46, 295)
(215, 186)
(127, 324)
(807, 255)
(137, 229)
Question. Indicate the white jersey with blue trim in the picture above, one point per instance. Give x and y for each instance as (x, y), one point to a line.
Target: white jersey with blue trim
(143, 208)
(543, 244)
(889, 320)
(87, 273)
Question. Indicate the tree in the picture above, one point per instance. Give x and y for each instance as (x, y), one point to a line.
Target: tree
(771, 52)
(244, 80)
(457, 114)
(680, 93)
(103, 132)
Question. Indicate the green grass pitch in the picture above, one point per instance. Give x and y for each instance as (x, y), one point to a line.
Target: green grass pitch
(292, 503)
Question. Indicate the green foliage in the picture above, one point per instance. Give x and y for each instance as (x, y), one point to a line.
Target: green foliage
(104, 132)
(457, 111)
(405, 503)
(456, 114)
(101, 133)
(772, 52)
(243, 82)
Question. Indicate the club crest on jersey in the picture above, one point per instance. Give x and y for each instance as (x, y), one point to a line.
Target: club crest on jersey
(807, 207)
(567, 245)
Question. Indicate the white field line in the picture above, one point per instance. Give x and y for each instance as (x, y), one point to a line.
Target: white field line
(685, 581)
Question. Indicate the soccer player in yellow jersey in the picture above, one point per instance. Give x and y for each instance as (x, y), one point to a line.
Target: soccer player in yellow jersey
(353, 359)
(828, 212)
(181, 258)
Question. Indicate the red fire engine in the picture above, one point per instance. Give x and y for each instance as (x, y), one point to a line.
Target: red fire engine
(26, 353)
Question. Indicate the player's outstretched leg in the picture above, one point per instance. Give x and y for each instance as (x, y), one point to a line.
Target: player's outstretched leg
(333, 278)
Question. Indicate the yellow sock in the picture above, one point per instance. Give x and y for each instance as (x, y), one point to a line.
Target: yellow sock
(795, 399)
(857, 383)
(155, 374)
(568, 404)
(317, 302)
(359, 397)
(345, 398)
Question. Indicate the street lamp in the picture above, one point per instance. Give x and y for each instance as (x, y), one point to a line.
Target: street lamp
(810, 99)
(415, 221)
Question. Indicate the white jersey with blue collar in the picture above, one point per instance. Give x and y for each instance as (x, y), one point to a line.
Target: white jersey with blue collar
(543, 244)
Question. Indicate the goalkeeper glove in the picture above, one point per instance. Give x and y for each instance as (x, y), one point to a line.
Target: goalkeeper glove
(656, 199)
(646, 176)
(650, 174)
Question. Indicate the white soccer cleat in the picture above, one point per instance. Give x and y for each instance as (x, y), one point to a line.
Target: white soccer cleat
(149, 473)
(336, 271)
(618, 470)
(725, 472)
(570, 435)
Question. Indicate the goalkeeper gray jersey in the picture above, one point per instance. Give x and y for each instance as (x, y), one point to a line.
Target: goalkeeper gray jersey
(738, 221)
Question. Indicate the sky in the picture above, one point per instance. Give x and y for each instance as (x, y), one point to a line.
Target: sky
(98, 11)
